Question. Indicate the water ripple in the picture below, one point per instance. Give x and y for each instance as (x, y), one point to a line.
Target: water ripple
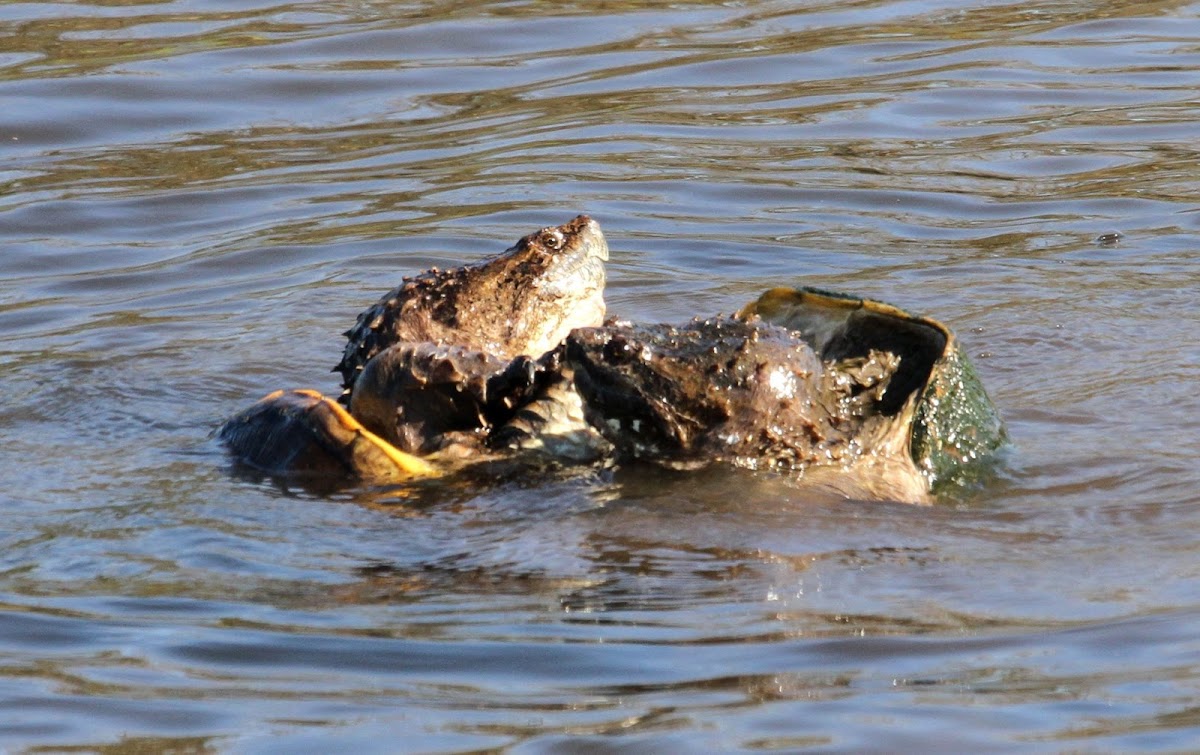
(198, 197)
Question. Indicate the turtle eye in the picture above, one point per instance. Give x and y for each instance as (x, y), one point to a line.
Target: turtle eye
(552, 239)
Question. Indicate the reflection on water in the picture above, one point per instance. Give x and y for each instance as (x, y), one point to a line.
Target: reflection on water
(196, 198)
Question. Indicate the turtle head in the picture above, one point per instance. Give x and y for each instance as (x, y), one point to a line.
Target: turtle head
(523, 301)
(547, 284)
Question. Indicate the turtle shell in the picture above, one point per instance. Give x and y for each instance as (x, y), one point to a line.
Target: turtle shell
(954, 429)
(304, 434)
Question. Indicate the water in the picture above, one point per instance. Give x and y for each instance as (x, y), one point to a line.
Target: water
(197, 197)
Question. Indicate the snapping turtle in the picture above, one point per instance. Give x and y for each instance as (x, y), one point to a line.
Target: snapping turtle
(857, 395)
(852, 394)
(434, 363)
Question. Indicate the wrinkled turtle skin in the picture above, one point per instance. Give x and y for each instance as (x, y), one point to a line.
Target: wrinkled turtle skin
(435, 363)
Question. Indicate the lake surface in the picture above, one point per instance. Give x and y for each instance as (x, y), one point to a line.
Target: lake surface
(197, 198)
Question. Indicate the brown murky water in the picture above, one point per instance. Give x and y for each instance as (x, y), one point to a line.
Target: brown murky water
(196, 198)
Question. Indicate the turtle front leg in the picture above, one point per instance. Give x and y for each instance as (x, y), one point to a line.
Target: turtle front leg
(552, 424)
